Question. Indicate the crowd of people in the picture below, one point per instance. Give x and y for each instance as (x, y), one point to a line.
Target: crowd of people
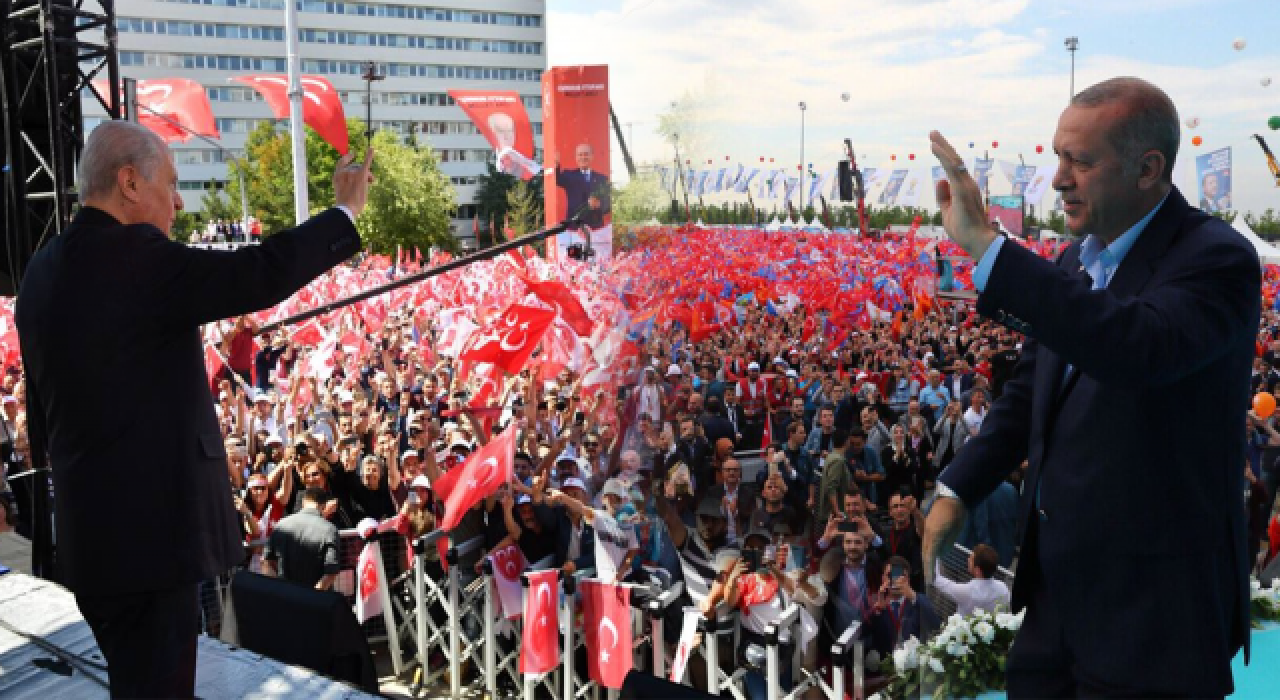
(762, 464)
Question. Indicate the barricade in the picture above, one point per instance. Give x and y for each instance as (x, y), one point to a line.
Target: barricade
(390, 572)
(457, 603)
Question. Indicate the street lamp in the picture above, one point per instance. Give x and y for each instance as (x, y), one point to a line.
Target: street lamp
(370, 74)
(1073, 44)
(803, 107)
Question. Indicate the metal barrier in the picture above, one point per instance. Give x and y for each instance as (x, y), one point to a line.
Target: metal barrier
(656, 608)
(724, 624)
(391, 566)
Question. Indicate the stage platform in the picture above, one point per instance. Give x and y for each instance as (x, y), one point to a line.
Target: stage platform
(45, 610)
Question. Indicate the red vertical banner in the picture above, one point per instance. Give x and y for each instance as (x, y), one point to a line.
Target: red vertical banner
(575, 147)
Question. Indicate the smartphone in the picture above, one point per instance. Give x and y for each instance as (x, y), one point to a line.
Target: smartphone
(847, 526)
(770, 553)
(896, 572)
(751, 559)
(622, 393)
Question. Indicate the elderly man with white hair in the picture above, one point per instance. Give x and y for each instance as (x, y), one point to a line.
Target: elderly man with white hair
(115, 275)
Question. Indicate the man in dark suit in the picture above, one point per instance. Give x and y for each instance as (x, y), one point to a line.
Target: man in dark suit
(1157, 306)
(115, 275)
(737, 499)
(586, 191)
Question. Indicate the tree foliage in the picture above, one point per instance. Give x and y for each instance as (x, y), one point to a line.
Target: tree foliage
(641, 199)
(491, 196)
(217, 206)
(409, 203)
(525, 207)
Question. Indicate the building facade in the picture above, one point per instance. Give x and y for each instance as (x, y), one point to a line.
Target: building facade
(424, 50)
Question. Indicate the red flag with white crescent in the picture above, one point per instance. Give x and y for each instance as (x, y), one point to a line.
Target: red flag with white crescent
(368, 602)
(508, 564)
(466, 485)
(321, 108)
(173, 108)
(540, 650)
(510, 339)
(606, 621)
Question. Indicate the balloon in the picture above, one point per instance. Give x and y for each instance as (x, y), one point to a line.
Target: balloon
(761, 159)
(1039, 148)
(893, 156)
(995, 144)
(1193, 122)
(1264, 404)
(1238, 44)
(970, 144)
(1274, 123)
(911, 156)
(1265, 82)
(726, 157)
(844, 96)
(1196, 141)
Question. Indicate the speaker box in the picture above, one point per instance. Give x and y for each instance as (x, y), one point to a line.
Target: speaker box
(639, 685)
(844, 174)
(298, 625)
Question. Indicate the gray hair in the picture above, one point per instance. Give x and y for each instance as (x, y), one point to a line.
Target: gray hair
(1150, 120)
(114, 145)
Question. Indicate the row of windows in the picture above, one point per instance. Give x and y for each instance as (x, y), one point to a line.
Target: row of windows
(233, 94)
(419, 99)
(202, 29)
(204, 156)
(403, 41)
(362, 9)
(195, 185)
(469, 180)
(248, 63)
(197, 62)
(464, 155)
(320, 36)
(234, 125)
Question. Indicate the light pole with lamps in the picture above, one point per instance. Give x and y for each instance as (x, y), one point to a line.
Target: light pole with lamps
(803, 107)
(1073, 44)
(370, 74)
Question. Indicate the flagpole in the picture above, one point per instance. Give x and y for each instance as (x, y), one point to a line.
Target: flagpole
(450, 266)
(301, 207)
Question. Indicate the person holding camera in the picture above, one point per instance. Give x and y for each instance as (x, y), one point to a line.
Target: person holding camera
(898, 612)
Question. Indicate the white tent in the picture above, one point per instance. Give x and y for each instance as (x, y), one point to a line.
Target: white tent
(773, 224)
(1267, 253)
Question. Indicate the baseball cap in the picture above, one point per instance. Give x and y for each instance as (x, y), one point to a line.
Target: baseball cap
(674, 369)
(793, 374)
(614, 487)
(759, 532)
(409, 453)
(523, 499)
(274, 440)
(573, 482)
(460, 444)
(753, 365)
(421, 482)
(258, 395)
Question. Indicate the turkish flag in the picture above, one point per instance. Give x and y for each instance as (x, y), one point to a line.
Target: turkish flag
(560, 297)
(174, 108)
(540, 650)
(369, 581)
(768, 432)
(321, 108)
(508, 564)
(466, 485)
(606, 621)
(509, 340)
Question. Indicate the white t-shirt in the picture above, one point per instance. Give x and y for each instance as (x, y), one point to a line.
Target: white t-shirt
(613, 541)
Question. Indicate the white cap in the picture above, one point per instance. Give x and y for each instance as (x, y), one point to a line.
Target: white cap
(421, 482)
(753, 365)
(345, 396)
(573, 482)
(367, 527)
(409, 453)
(792, 373)
(674, 369)
(258, 395)
(616, 488)
(274, 440)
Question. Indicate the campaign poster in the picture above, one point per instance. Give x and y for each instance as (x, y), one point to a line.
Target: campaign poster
(1022, 175)
(910, 194)
(1038, 186)
(1213, 173)
(891, 188)
(575, 146)
(501, 117)
(982, 172)
(1007, 210)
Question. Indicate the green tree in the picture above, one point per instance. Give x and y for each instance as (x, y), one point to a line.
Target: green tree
(1266, 226)
(491, 196)
(524, 208)
(217, 206)
(409, 203)
(639, 200)
(184, 224)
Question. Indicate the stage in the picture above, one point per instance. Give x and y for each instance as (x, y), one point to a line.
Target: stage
(45, 610)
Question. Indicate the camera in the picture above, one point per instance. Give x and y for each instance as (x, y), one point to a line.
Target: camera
(751, 559)
(847, 526)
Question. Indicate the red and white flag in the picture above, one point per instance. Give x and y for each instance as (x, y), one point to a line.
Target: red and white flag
(680, 661)
(606, 616)
(369, 581)
(508, 564)
(466, 485)
(561, 297)
(540, 650)
(509, 341)
(321, 107)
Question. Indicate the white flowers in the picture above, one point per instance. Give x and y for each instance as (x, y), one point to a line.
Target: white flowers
(984, 631)
(1010, 622)
(936, 666)
(955, 649)
(908, 657)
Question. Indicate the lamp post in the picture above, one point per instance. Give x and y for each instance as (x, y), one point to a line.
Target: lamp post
(370, 74)
(803, 107)
(1073, 44)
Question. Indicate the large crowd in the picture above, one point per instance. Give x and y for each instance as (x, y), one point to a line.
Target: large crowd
(772, 448)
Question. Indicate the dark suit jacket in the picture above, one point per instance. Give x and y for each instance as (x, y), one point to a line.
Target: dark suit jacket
(747, 497)
(839, 612)
(1175, 327)
(578, 188)
(109, 317)
(586, 542)
(918, 620)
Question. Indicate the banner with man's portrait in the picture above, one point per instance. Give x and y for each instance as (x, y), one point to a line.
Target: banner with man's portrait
(575, 141)
(501, 117)
(1213, 178)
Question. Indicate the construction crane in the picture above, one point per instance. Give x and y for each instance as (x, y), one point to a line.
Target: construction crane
(1271, 159)
(622, 143)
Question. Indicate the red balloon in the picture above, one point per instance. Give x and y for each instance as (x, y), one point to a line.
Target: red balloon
(686, 161)
(893, 156)
(770, 160)
(1039, 149)
(911, 156)
(761, 159)
(995, 144)
(1196, 140)
(726, 157)
(1264, 405)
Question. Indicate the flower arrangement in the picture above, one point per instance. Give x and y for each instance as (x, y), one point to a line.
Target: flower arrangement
(1264, 603)
(965, 659)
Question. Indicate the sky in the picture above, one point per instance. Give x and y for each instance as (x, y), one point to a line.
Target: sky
(979, 71)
